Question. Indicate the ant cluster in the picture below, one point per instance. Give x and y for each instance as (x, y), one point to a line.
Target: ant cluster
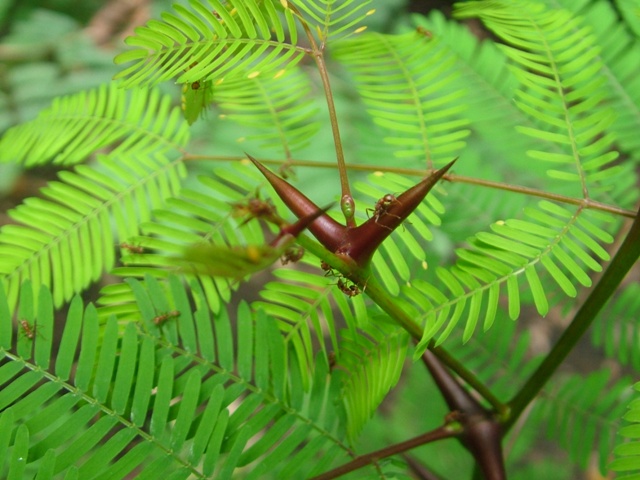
(346, 286)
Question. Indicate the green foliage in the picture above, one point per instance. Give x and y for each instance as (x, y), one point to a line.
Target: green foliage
(628, 460)
(181, 45)
(180, 399)
(79, 125)
(579, 413)
(371, 360)
(401, 79)
(281, 108)
(235, 372)
(616, 330)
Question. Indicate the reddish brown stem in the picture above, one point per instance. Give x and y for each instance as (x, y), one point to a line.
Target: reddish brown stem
(482, 433)
(361, 461)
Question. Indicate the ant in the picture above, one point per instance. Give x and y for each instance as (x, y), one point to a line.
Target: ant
(28, 330)
(423, 31)
(195, 85)
(256, 208)
(329, 271)
(350, 290)
(160, 319)
(132, 248)
(333, 360)
(292, 254)
(382, 207)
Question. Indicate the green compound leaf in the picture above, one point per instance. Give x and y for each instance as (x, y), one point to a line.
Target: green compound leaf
(212, 42)
(137, 123)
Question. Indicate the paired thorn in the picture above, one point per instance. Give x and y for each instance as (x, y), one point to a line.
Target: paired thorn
(356, 242)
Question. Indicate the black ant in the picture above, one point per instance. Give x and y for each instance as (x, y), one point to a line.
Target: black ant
(160, 319)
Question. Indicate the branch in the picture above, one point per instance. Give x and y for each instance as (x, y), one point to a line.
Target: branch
(318, 55)
(377, 293)
(620, 265)
(581, 202)
(439, 433)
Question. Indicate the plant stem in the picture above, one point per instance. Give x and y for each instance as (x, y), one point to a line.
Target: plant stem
(373, 289)
(361, 461)
(380, 297)
(620, 265)
(318, 54)
(581, 202)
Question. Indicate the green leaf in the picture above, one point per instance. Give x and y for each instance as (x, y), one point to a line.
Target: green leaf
(136, 124)
(551, 49)
(424, 121)
(210, 43)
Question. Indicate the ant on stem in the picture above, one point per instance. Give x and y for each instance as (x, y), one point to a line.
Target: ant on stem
(382, 207)
(349, 289)
(255, 208)
(345, 285)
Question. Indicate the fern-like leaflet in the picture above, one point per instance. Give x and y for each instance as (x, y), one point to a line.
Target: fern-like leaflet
(627, 462)
(581, 413)
(203, 214)
(550, 241)
(165, 404)
(240, 38)
(370, 364)
(616, 329)
(390, 75)
(66, 239)
(138, 123)
(556, 62)
(331, 18)
(280, 109)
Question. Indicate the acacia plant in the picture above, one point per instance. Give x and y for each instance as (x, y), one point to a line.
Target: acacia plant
(394, 201)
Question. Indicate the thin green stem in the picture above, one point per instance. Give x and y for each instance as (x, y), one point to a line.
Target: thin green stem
(318, 54)
(581, 202)
(620, 265)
